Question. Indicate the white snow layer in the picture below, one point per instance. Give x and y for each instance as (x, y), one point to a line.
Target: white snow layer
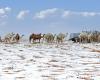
(70, 61)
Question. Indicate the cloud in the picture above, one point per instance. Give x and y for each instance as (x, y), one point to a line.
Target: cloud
(8, 9)
(66, 13)
(22, 14)
(4, 12)
(46, 13)
(63, 13)
(4, 15)
(84, 14)
(89, 14)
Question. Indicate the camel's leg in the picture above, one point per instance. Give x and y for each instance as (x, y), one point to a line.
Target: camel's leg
(39, 40)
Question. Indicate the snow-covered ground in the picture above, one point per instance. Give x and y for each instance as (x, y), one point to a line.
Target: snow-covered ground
(69, 61)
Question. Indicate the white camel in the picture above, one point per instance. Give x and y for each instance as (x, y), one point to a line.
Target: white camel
(49, 37)
(83, 36)
(9, 37)
(60, 37)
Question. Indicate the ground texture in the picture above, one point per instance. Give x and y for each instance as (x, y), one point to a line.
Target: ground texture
(68, 61)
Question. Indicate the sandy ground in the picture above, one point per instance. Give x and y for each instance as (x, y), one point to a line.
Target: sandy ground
(68, 61)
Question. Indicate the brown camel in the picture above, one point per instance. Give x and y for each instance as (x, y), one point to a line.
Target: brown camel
(35, 37)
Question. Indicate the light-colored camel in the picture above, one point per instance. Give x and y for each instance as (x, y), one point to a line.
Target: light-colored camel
(60, 37)
(49, 37)
(93, 36)
(9, 37)
(90, 37)
(83, 37)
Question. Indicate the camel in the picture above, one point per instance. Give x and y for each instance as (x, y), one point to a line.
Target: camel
(0, 39)
(83, 37)
(49, 37)
(17, 37)
(60, 37)
(93, 36)
(90, 37)
(99, 38)
(8, 38)
(35, 37)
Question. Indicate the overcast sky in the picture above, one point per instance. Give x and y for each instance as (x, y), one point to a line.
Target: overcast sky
(28, 16)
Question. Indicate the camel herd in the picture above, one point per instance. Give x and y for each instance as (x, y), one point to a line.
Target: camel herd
(49, 38)
(11, 38)
(88, 37)
(83, 37)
